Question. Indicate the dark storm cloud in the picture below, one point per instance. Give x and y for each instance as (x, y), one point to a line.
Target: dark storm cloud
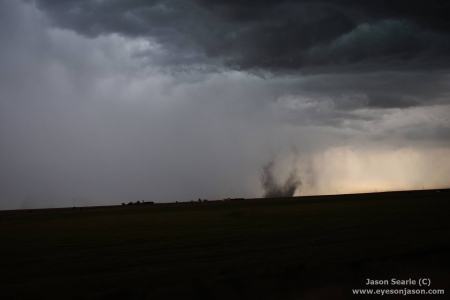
(103, 102)
(355, 100)
(382, 89)
(381, 100)
(427, 132)
(433, 14)
(273, 36)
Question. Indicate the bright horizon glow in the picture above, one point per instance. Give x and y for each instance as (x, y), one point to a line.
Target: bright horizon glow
(345, 170)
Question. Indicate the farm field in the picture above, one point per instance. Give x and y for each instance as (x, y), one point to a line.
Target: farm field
(318, 247)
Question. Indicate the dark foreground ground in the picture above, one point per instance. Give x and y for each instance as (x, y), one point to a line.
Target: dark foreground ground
(296, 248)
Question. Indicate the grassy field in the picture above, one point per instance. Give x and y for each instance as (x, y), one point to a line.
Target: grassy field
(295, 248)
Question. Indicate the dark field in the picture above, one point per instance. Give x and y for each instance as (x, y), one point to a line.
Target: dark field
(296, 248)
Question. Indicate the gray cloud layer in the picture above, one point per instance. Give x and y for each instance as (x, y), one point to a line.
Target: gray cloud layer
(273, 36)
(103, 102)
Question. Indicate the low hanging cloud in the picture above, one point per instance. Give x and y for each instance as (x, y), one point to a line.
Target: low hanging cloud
(270, 36)
(374, 55)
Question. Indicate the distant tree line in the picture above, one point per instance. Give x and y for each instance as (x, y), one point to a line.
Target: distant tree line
(139, 203)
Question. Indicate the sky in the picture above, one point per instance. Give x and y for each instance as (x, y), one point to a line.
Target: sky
(107, 101)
